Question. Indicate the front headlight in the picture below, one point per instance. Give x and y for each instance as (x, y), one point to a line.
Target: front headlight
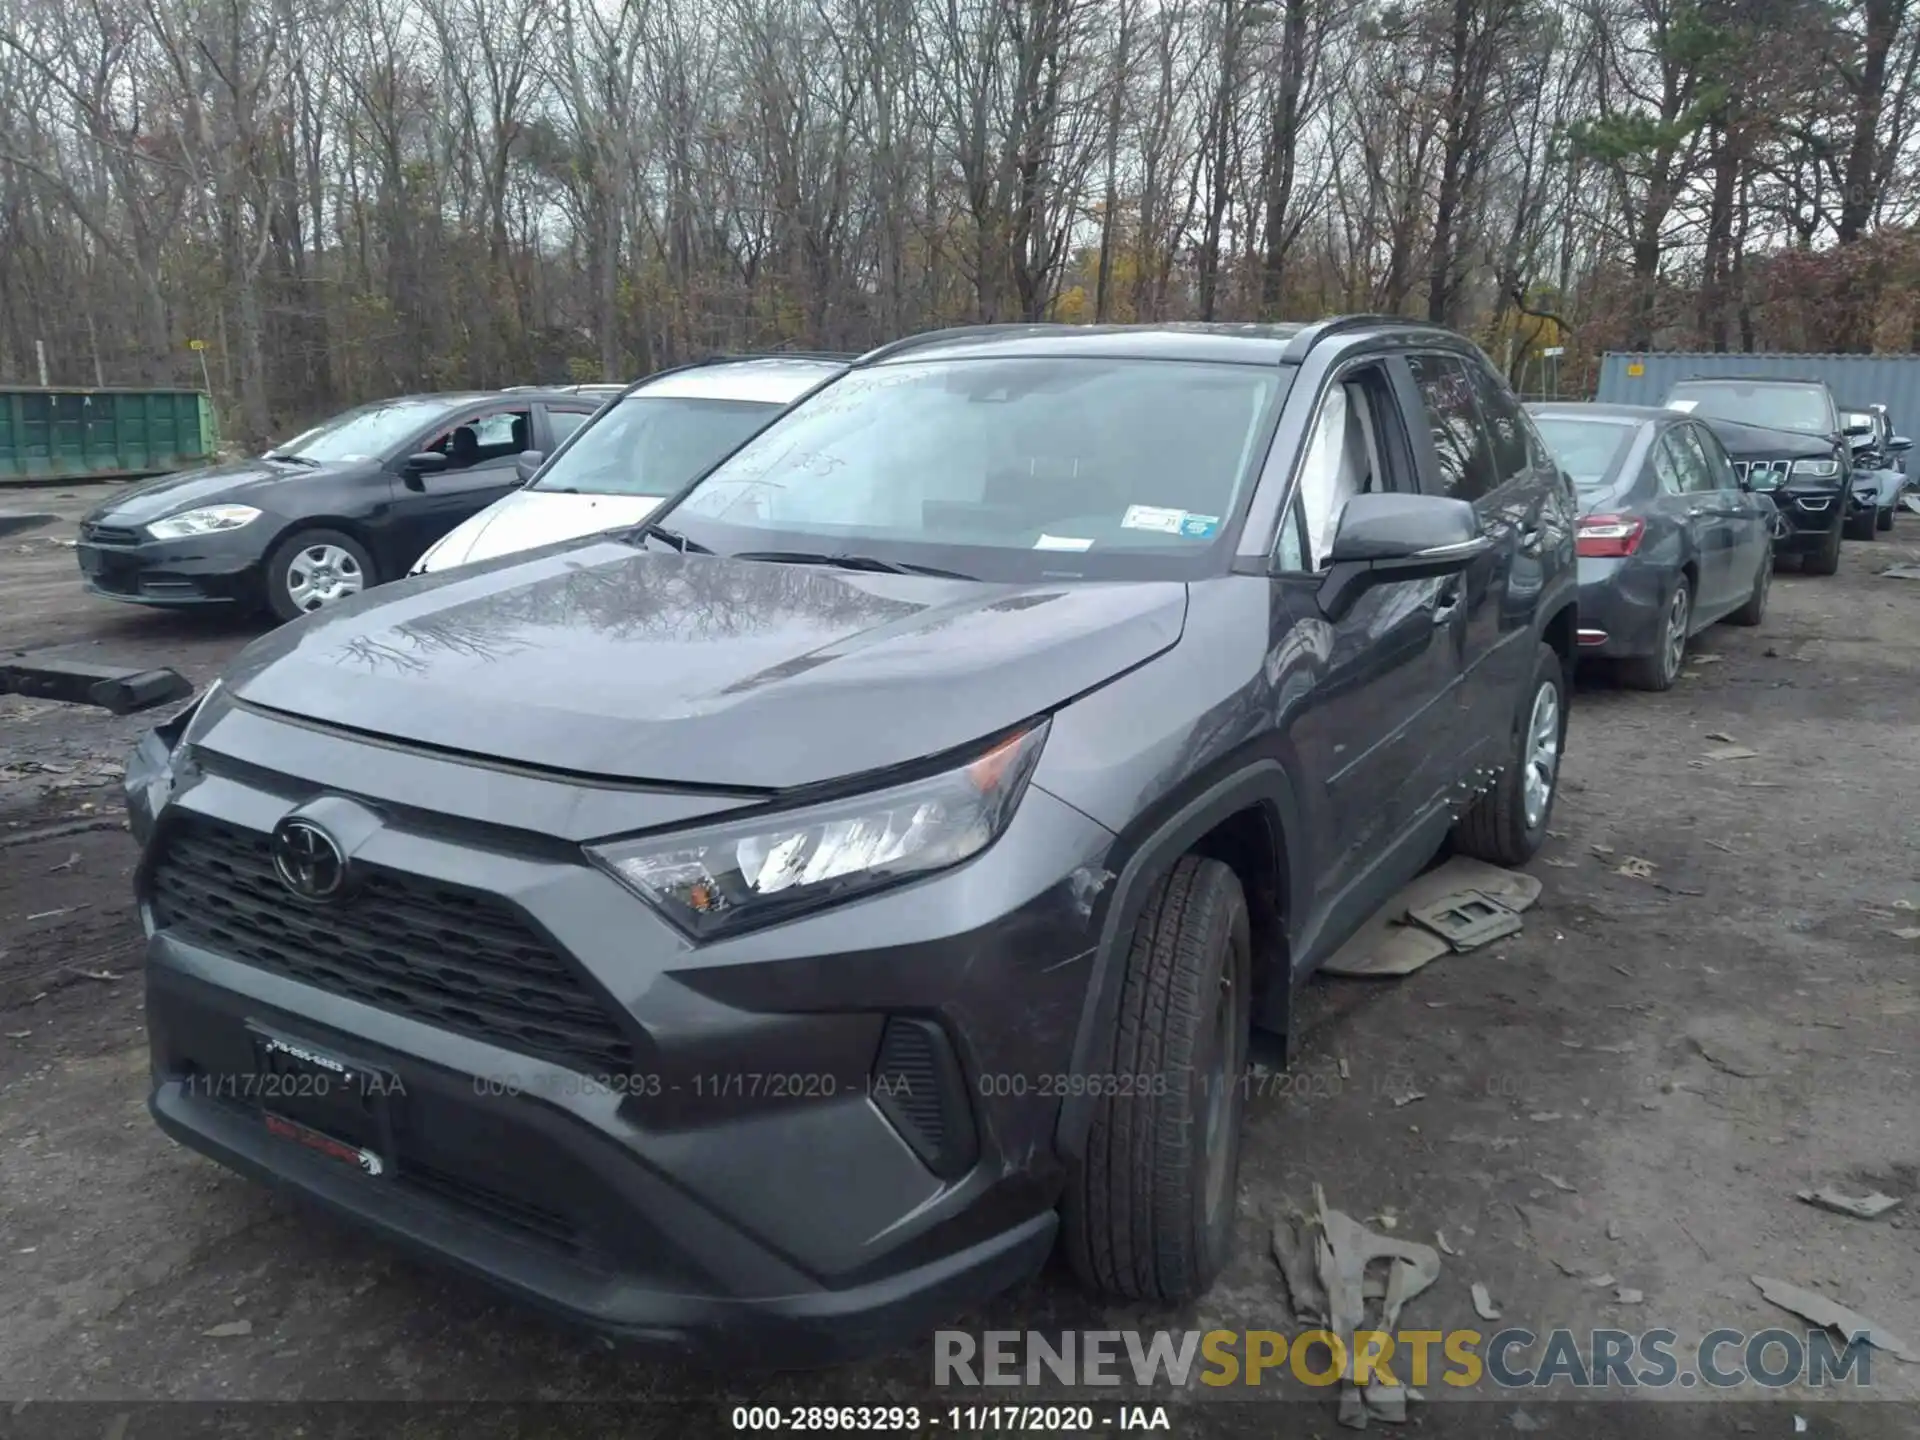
(208, 520)
(1824, 469)
(756, 872)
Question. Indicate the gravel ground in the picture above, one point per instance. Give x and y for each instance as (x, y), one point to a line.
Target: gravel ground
(1637, 1084)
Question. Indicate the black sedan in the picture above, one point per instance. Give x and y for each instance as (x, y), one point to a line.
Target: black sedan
(344, 506)
(1670, 537)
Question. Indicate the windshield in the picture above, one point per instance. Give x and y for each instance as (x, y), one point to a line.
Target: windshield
(1586, 449)
(1124, 468)
(1801, 408)
(653, 445)
(368, 433)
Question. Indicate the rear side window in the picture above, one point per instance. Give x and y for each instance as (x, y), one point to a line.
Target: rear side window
(1712, 460)
(1506, 425)
(1681, 465)
(1460, 440)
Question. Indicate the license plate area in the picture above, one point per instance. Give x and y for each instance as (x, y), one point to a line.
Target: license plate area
(338, 1108)
(91, 562)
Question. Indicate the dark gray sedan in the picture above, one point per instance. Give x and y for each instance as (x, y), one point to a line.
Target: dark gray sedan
(1671, 539)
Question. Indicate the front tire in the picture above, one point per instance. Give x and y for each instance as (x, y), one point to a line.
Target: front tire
(1150, 1207)
(1661, 669)
(1507, 824)
(1883, 520)
(312, 569)
(1825, 560)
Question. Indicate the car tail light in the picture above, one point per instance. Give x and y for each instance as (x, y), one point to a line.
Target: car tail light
(1609, 536)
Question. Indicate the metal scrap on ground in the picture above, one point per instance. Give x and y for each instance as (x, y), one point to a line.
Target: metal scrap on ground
(1333, 1292)
(1865, 1207)
(1831, 1315)
(1483, 1305)
(1387, 946)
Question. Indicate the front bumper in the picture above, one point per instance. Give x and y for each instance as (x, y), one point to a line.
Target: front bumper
(721, 1163)
(223, 569)
(1810, 516)
(1622, 606)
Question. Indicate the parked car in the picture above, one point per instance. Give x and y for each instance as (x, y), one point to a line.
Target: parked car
(783, 923)
(325, 515)
(662, 433)
(1784, 436)
(1670, 540)
(1878, 455)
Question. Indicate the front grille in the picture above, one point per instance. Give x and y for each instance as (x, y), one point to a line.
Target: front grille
(109, 535)
(1757, 470)
(458, 960)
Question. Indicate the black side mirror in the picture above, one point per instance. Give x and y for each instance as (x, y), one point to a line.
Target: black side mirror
(528, 464)
(1385, 538)
(415, 468)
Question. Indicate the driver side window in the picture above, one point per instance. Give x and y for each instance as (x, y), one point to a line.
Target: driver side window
(485, 439)
(1342, 460)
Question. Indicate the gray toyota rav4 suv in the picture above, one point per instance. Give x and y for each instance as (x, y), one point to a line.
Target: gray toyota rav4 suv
(787, 922)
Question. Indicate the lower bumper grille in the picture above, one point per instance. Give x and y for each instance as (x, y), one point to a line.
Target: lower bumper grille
(457, 960)
(919, 1087)
(502, 1209)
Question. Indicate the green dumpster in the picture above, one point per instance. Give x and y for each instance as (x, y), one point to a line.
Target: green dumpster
(97, 434)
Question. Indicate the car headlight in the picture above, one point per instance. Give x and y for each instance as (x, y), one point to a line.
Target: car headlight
(208, 520)
(773, 867)
(1825, 469)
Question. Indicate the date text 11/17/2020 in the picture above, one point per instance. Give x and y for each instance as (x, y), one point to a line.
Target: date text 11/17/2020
(959, 1419)
(752, 1085)
(718, 1085)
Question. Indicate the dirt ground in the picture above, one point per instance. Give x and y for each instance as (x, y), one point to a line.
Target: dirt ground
(1637, 1084)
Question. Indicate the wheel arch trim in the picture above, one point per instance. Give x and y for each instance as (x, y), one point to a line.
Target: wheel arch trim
(1264, 784)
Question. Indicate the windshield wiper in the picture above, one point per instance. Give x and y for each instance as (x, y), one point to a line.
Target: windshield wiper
(306, 460)
(851, 562)
(648, 530)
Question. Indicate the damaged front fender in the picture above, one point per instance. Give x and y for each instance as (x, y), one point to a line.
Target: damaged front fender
(152, 772)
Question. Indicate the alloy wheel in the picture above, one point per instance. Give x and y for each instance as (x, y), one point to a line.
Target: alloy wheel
(1543, 755)
(1678, 611)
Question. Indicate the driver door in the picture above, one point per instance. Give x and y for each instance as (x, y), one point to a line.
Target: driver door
(1375, 705)
(481, 469)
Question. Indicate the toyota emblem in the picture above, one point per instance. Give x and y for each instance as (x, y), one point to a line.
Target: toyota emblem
(308, 860)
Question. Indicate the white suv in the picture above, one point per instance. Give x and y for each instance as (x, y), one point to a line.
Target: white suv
(639, 449)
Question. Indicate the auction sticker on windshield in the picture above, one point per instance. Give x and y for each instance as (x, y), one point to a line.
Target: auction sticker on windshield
(1153, 517)
(1169, 521)
(1062, 542)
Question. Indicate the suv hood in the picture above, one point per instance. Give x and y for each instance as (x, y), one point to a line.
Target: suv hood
(239, 480)
(1759, 442)
(702, 670)
(529, 519)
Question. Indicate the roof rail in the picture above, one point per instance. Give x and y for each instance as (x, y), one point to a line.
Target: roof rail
(1763, 379)
(1313, 334)
(729, 358)
(948, 332)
